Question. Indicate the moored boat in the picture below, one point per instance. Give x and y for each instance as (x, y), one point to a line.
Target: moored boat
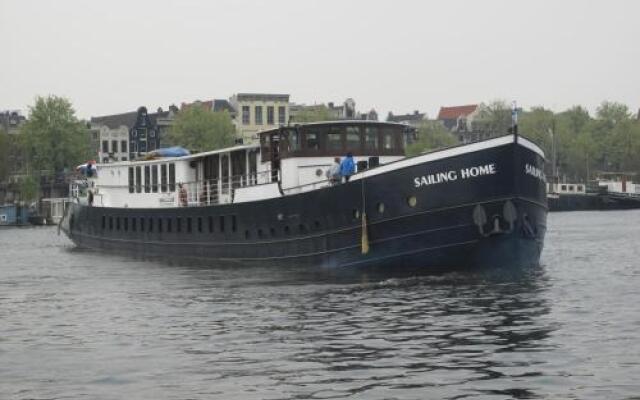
(470, 206)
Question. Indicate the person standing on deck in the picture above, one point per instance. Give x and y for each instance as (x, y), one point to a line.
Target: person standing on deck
(347, 167)
(333, 174)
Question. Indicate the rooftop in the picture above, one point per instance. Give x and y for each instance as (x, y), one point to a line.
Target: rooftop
(456, 111)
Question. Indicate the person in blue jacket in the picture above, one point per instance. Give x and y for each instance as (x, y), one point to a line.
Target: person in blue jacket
(347, 167)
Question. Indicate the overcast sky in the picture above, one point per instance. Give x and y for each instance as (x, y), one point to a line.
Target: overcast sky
(113, 56)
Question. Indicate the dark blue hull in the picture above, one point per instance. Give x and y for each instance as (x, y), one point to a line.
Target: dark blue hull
(417, 220)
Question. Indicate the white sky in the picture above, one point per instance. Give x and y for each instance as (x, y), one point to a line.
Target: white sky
(113, 56)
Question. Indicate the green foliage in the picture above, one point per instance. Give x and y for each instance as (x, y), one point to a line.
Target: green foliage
(313, 114)
(53, 138)
(494, 118)
(5, 165)
(199, 129)
(28, 188)
(431, 135)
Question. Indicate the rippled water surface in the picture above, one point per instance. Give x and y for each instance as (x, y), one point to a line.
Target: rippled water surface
(78, 324)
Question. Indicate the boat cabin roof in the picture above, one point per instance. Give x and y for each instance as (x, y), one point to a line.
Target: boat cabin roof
(335, 138)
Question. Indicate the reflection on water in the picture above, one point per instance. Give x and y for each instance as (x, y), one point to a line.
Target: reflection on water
(77, 324)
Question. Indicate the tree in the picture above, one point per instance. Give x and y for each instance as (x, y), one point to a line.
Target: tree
(53, 138)
(5, 165)
(199, 129)
(313, 114)
(494, 118)
(431, 135)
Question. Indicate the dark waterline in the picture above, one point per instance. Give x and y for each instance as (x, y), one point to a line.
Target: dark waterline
(78, 324)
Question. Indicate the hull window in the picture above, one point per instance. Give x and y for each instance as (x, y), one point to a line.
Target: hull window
(169, 228)
(189, 225)
(150, 224)
(133, 223)
(210, 224)
(126, 224)
(233, 223)
(222, 223)
(104, 222)
(160, 225)
(199, 224)
(110, 223)
(118, 223)
(141, 224)
(179, 224)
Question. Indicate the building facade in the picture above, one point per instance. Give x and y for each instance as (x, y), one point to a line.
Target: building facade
(414, 119)
(11, 120)
(255, 112)
(459, 120)
(122, 137)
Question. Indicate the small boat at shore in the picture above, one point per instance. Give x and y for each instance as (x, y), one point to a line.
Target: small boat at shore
(270, 203)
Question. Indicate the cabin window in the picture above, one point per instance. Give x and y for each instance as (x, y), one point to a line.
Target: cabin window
(110, 223)
(141, 224)
(169, 228)
(150, 224)
(270, 115)
(571, 188)
(130, 179)
(147, 178)
(104, 222)
(258, 115)
(224, 160)
(412, 201)
(334, 139)
(138, 179)
(210, 224)
(188, 224)
(353, 138)
(200, 224)
(178, 224)
(163, 178)
(371, 139)
(154, 178)
(563, 187)
(221, 223)
(311, 141)
(380, 208)
(294, 141)
(133, 224)
(387, 140)
(253, 167)
(172, 177)
(579, 188)
(233, 223)
(117, 223)
(126, 224)
(159, 224)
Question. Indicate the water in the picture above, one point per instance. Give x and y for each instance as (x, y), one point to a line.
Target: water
(78, 324)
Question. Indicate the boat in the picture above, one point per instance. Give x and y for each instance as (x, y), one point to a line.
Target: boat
(608, 191)
(270, 203)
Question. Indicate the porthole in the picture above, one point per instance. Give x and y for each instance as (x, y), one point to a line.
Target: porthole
(280, 217)
(247, 234)
(272, 231)
(381, 208)
(317, 224)
(318, 172)
(412, 201)
(302, 228)
(260, 234)
(286, 230)
(356, 213)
